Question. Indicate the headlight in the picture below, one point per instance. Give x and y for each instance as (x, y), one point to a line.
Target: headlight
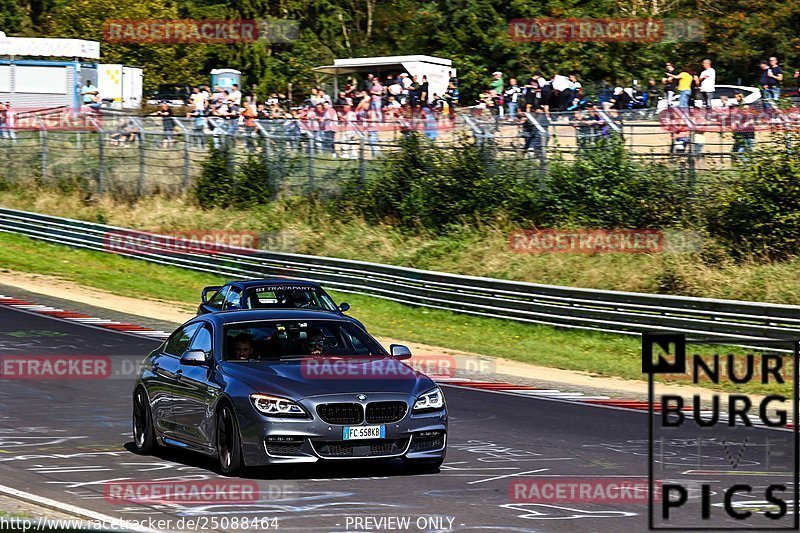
(275, 406)
(431, 400)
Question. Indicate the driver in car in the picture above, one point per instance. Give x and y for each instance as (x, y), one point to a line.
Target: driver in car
(243, 346)
(301, 299)
(314, 343)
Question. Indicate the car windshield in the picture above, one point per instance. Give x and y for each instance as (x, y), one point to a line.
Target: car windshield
(172, 89)
(272, 340)
(289, 297)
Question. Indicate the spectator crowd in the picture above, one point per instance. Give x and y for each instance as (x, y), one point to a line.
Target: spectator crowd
(359, 111)
(365, 106)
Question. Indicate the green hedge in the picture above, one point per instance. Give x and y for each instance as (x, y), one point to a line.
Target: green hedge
(426, 187)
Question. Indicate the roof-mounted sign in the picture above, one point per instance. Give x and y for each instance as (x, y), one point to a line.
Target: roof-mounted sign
(28, 46)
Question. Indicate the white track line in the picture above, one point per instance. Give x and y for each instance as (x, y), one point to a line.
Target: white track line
(80, 512)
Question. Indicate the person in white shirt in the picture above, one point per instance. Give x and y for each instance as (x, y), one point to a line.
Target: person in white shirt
(512, 94)
(707, 80)
(198, 100)
(350, 135)
(236, 95)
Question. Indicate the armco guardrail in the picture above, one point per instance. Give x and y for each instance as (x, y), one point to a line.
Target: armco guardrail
(609, 311)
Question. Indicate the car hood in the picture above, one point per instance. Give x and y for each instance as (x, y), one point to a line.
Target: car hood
(301, 378)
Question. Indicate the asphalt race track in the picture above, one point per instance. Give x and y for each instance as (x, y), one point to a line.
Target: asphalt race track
(66, 439)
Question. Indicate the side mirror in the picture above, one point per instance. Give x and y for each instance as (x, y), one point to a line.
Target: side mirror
(344, 306)
(193, 358)
(207, 291)
(399, 351)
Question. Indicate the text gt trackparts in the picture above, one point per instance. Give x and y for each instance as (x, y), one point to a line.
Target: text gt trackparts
(399, 523)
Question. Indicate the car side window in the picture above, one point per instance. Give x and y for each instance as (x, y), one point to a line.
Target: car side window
(179, 341)
(202, 340)
(730, 92)
(234, 299)
(327, 302)
(218, 298)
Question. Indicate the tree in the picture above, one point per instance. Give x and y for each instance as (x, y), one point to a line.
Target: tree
(83, 19)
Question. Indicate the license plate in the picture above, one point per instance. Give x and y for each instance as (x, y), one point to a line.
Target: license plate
(364, 432)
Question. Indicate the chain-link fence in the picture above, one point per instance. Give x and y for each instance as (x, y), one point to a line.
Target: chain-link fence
(135, 156)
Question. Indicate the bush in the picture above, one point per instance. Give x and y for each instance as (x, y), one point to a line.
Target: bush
(435, 188)
(214, 186)
(605, 188)
(221, 184)
(254, 183)
(424, 185)
(758, 214)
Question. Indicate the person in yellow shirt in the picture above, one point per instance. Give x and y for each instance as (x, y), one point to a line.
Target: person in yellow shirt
(684, 79)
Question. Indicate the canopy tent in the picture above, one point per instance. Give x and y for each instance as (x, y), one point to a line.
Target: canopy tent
(435, 68)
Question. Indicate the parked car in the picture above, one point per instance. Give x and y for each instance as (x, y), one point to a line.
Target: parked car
(251, 389)
(270, 294)
(792, 95)
(752, 95)
(175, 94)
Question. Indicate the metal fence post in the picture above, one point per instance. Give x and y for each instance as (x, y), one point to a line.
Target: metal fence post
(230, 152)
(362, 170)
(186, 138)
(692, 164)
(311, 142)
(477, 132)
(140, 184)
(101, 162)
(545, 139)
(43, 137)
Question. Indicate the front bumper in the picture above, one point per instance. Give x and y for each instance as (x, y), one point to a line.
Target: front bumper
(270, 440)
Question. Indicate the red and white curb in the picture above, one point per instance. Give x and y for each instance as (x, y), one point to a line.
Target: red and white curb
(579, 397)
(55, 312)
(524, 390)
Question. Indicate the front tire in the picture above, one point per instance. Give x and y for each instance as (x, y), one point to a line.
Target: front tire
(229, 445)
(144, 435)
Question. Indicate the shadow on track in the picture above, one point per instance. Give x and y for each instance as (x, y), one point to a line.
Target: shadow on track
(367, 468)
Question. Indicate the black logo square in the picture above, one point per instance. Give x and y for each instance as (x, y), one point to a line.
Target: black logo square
(670, 348)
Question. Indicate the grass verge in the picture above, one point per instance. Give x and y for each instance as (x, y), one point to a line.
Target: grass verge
(302, 226)
(597, 353)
